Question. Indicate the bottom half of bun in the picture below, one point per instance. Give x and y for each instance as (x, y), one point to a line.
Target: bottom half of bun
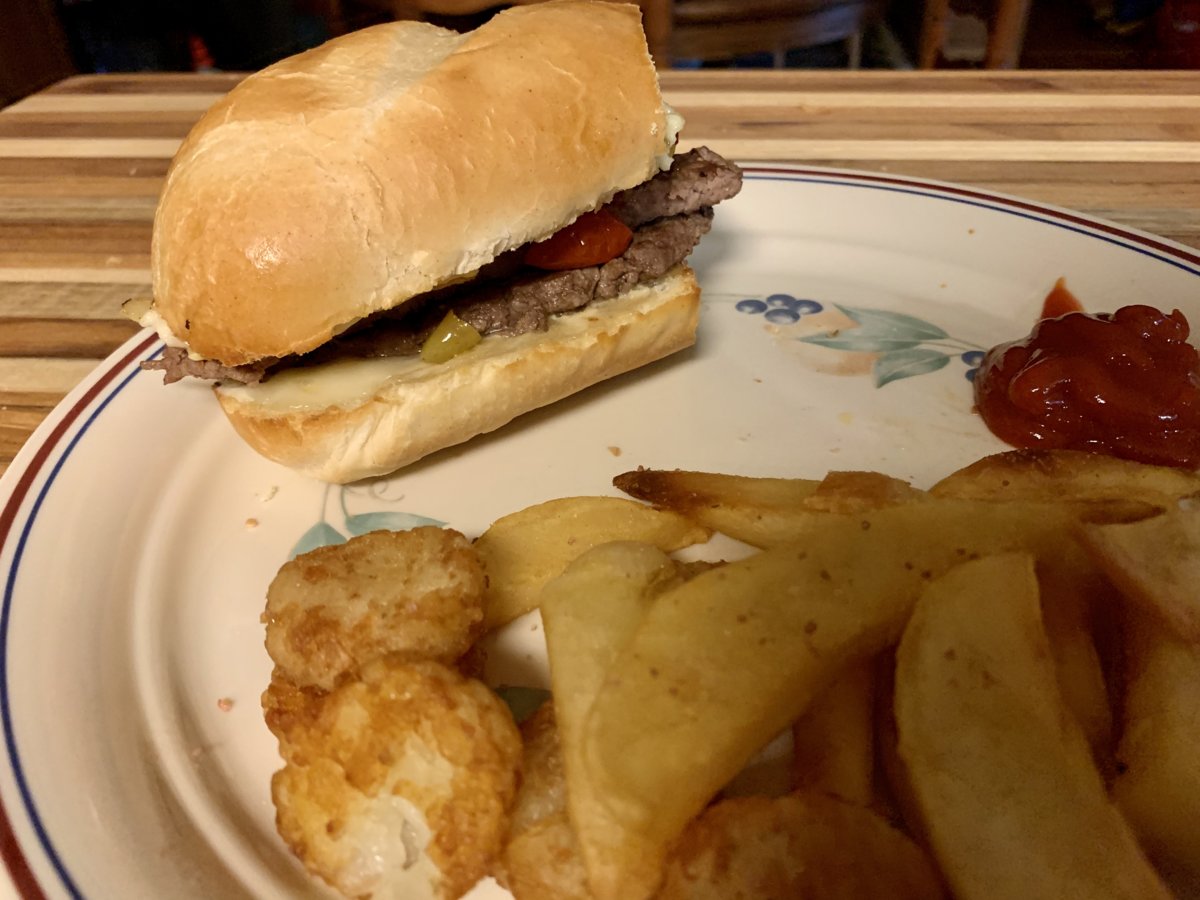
(354, 419)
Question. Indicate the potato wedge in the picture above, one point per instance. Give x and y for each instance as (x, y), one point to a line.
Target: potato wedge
(723, 663)
(757, 511)
(894, 794)
(524, 550)
(589, 614)
(1075, 476)
(1070, 587)
(1156, 564)
(698, 691)
(775, 512)
(973, 528)
(849, 492)
(802, 845)
(833, 742)
(761, 511)
(1159, 790)
(1002, 775)
(941, 532)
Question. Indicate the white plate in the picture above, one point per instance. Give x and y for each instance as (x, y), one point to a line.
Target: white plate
(138, 534)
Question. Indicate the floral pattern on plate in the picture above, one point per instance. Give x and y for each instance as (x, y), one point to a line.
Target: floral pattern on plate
(324, 533)
(904, 346)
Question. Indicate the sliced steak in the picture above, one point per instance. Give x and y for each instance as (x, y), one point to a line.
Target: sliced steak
(656, 249)
(175, 364)
(527, 304)
(696, 179)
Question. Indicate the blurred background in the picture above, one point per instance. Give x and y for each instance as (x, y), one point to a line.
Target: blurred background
(42, 41)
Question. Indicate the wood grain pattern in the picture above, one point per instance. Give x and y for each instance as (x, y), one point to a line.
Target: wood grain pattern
(82, 163)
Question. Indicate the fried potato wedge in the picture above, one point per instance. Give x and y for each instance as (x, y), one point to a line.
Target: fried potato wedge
(1070, 588)
(762, 512)
(968, 527)
(894, 791)
(589, 614)
(1156, 564)
(1129, 489)
(1002, 775)
(721, 664)
(833, 742)
(524, 550)
(1159, 790)
(849, 492)
(757, 511)
(724, 662)
(801, 845)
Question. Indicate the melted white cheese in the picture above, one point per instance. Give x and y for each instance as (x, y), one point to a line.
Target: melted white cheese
(349, 383)
(345, 384)
(151, 319)
(675, 124)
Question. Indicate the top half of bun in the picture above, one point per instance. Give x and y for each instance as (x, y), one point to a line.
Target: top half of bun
(392, 160)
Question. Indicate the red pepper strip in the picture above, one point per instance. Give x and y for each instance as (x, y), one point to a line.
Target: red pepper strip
(592, 239)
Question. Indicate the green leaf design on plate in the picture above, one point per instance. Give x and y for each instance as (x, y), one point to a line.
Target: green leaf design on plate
(387, 521)
(878, 331)
(523, 702)
(320, 535)
(901, 364)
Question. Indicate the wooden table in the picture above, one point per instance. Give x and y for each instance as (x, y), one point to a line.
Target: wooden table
(82, 162)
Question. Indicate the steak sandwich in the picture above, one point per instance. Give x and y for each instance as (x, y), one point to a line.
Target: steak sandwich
(409, 236)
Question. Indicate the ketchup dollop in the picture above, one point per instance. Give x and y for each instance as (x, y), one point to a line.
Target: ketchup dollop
(1124, 383)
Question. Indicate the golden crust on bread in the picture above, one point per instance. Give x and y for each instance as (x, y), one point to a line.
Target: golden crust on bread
(336, 183)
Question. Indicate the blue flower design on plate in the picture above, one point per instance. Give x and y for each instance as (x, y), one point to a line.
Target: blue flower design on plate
(780, 309)
(973, 359)
(905, 346)
(323, 534)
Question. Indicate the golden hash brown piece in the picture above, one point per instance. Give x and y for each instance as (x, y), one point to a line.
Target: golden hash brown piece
(398, 783)
(285, 706)
(797, 847)
(417, 594)
(541, 859)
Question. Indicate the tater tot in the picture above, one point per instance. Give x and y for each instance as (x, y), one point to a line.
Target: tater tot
(416, 594)
(541, 859)
(796, 846)
(398, 782)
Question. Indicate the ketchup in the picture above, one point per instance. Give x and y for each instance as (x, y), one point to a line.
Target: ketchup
(1126, 384)
(1060, 301)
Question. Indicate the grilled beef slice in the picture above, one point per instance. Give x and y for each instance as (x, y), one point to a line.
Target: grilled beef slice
(669, 214)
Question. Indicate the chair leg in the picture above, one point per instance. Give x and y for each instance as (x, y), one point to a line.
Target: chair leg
(933, 33)
(658, 19)
(401, 10)
(335, 18)
(854, 48)
(1008, 34)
